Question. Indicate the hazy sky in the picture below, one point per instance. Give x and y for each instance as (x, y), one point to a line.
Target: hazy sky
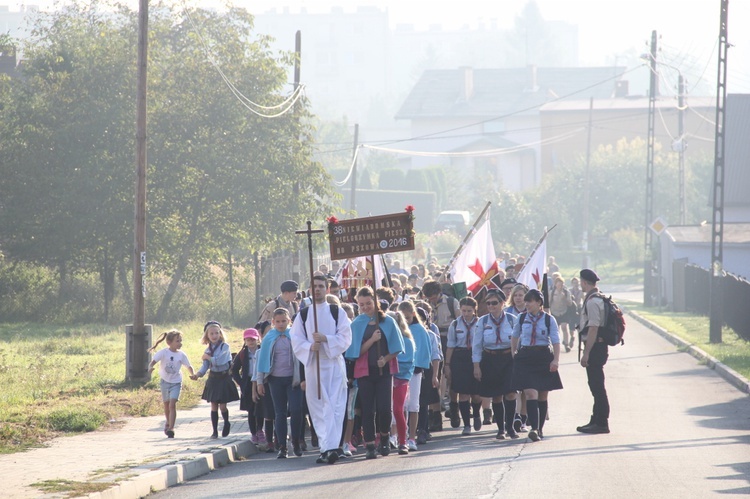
(688, 28)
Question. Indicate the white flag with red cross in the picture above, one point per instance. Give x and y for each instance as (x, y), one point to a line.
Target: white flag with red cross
(532, 274)
(476, 264)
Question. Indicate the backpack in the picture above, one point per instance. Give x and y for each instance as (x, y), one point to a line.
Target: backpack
(306, 311)
(522, 318)
(613, 330)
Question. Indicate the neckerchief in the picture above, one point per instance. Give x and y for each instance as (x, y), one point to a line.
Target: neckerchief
(534, 320)
(212, 348)
(497, 323)
(518, 312)
(468, 327)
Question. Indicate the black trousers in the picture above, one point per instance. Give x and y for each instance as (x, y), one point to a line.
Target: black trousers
(595, 373)
(376, 396)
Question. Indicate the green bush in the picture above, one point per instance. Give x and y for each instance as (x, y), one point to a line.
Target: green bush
(630, 244)
(75, 419)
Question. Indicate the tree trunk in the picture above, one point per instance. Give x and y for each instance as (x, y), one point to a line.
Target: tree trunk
(122, 274)
(182, 262)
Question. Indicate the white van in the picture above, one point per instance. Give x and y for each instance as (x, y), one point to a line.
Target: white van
(455, 220)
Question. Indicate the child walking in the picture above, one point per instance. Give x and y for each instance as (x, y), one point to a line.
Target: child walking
(220, 388)
(171, 360)
(278, 366)
(243, 370)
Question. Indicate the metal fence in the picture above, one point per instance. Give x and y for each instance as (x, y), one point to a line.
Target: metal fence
(733, 292)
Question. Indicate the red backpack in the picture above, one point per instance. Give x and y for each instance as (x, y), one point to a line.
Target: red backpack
(613, 330)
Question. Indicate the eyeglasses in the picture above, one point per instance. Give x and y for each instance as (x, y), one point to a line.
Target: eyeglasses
(493, 303)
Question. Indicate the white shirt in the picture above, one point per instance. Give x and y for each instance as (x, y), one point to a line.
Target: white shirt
(170, 364)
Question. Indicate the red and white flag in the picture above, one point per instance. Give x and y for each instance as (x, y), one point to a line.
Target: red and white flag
(532, 274)
(476, 264)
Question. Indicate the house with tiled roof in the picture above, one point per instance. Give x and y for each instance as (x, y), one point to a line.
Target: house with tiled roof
(487, 121)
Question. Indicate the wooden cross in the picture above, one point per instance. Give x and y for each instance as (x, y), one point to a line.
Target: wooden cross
(309, 233)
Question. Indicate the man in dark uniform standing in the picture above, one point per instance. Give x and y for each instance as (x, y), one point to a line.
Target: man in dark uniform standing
(595, 352)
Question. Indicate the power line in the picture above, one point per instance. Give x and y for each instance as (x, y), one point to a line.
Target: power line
(245, 101)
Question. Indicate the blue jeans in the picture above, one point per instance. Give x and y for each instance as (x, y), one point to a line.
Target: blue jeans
(286, 399)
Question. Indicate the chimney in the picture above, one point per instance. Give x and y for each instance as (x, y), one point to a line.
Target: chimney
(531, 82)
(467, 83)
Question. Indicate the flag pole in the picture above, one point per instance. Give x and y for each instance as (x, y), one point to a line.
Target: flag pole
(544, 236)
(468, 236)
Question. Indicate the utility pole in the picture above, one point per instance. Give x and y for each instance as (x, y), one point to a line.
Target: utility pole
(585, 241)
(353, 202)
(138, 336)
(717, 225)
(682, 145)
(648, 257)
(295, 188)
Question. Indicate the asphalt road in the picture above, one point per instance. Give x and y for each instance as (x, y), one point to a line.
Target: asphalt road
(678, 430)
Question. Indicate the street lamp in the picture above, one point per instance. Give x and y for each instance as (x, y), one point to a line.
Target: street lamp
(680, 144)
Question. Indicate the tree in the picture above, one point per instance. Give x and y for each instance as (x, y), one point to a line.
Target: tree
(220, 177)
(64, 145)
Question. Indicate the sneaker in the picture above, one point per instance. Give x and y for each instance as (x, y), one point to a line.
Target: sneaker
(261, 437)
(282, 453)
(523, 428)
(477, 422)
(593, 429)
(541, 435)
(254, 439)
(467, 430)
(333, 456)
(385, 445)
(370, 454)
(352, 447)
(421, 438)
(533, 435)
(347, 449)
(412, 445)
(296, 449)
(513, 435)
(500, 435)
(393, 441)
(403, 450)
(357, 439)
(322, 458)
(340, 452)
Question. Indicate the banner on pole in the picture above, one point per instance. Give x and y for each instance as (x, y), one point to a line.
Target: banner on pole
(371, 235)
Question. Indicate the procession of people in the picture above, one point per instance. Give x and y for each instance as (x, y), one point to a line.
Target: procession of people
(376, 369)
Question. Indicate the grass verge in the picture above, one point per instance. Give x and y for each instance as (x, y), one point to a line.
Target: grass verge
(57, 380)
(69, 488)
(734, 351)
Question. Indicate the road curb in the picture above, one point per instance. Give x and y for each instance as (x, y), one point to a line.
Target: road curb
(733, 377)
(171, 474)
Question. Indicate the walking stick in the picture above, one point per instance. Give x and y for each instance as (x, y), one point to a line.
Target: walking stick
(309, 233)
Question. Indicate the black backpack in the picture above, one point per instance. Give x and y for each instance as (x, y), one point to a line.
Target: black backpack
(305, 311)
(522, 318)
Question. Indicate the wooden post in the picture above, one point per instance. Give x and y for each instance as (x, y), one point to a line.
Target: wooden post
(313, 305)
